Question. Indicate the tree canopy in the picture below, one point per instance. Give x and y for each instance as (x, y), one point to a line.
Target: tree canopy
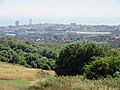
(28, 54)
(73, 57)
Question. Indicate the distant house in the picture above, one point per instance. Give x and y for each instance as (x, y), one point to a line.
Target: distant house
(10, 35)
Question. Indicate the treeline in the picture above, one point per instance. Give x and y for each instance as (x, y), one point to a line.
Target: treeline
(29, 54)
(91, 60)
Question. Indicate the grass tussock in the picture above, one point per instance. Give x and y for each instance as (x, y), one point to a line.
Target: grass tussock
(75, 83)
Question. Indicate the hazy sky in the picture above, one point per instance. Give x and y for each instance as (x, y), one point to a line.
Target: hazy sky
(10, 9)
(60, 8)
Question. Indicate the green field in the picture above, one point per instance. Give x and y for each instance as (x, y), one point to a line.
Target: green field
(14, 84)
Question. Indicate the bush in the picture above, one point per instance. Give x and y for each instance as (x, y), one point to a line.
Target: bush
(116, 74)
(49, 54)
(102, 67)
(51, 63)
(46, 67)
(74, 57)
(33, 64)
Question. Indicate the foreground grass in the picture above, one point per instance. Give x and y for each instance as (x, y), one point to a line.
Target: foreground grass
(75, 83)
(14, 84)
(15, 77)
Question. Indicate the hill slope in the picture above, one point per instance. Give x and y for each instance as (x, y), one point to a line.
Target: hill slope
(16, 72)
(16, 77)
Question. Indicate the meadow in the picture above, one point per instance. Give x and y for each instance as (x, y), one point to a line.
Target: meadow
(16, 77)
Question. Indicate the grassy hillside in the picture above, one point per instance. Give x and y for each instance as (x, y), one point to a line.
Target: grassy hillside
(15, 77)
(77, 59)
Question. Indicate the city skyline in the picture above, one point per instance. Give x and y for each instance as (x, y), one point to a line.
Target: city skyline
(101, 11)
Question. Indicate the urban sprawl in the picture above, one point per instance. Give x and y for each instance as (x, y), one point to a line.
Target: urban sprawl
(64, 33)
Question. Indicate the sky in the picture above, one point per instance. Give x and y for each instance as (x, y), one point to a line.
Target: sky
(46, 10)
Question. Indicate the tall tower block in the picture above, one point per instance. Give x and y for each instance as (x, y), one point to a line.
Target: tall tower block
(16, 23)
(30, 21)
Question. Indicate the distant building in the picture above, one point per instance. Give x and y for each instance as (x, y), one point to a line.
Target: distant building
(73, 24)
(10, 35)
(30, 21)
(16, 23)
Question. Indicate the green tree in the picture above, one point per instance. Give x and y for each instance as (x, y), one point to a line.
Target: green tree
(103, 67)
(74, 57)
(49, 54)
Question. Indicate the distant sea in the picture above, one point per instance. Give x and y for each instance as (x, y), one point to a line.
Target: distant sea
(7, 21)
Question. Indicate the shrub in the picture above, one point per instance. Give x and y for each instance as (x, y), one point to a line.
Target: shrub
(51, 63)
(46, 67)
(49, 54)
(116, 74)
(103, 67)
(33, 64)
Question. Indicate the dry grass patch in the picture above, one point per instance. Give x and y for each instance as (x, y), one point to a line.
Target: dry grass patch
(16, 77)
(16, 72)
